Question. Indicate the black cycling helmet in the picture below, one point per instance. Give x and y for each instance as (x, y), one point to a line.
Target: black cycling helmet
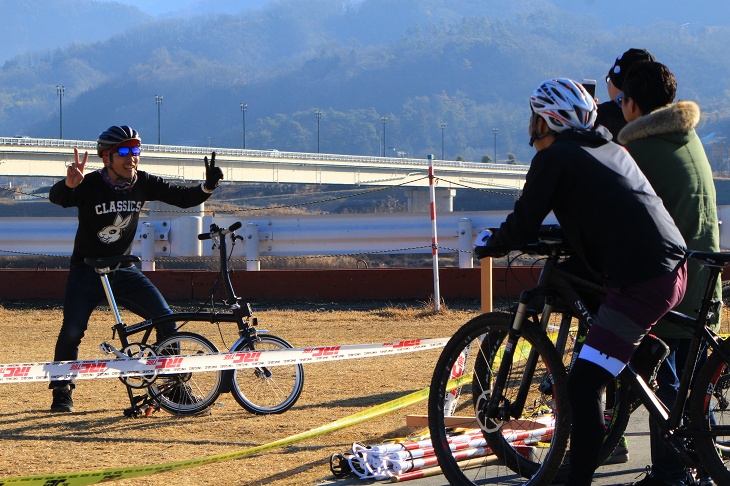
(113, 136)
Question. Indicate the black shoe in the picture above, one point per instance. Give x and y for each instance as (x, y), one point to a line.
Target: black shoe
(62, 399)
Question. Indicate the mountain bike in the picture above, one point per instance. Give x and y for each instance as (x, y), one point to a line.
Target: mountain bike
(260, 390)
(511, 384)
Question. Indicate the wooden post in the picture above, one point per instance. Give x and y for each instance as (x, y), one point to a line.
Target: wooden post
(486, 284)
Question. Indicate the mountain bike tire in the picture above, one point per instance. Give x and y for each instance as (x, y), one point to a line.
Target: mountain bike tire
(542, 455)
(710, 409)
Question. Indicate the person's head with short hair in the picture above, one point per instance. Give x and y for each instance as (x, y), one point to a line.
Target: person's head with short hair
(617, 73)
(648, 85)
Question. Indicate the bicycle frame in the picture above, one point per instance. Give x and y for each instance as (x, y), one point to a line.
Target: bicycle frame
(555, 283)
(236, 312)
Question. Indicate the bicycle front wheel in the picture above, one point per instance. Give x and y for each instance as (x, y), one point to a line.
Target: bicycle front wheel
(530, 437)
(267, 390)
(710, 410)
(189, 393)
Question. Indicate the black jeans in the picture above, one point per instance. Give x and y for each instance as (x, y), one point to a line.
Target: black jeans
(84, 292)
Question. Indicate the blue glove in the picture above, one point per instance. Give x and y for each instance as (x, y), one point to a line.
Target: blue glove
(481, 239)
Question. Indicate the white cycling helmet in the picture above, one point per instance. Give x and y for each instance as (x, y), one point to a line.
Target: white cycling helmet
(564, 105)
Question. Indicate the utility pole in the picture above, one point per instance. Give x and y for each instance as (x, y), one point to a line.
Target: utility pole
(60, 90)
(158, 100)
(244, 107)
(319, 116)
(443, 127)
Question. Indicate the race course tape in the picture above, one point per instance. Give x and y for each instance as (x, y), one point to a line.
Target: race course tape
(94, 477)
(127, 367)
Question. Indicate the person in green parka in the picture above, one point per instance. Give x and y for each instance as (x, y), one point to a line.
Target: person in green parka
(660, 136)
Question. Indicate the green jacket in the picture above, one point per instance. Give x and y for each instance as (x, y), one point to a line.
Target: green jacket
(669, 152)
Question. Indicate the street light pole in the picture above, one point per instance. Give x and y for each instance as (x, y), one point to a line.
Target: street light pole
(319, 115)
(384, 120)
(60, 90)
(495, 144)
(158, 100)
(443, 127)
(244, 107)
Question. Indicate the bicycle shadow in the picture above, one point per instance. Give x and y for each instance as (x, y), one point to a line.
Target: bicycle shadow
(95, 426)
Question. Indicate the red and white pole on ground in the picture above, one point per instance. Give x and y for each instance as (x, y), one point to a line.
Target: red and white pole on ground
(434, 237)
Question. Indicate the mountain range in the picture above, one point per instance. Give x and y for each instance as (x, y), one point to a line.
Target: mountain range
(384, 75)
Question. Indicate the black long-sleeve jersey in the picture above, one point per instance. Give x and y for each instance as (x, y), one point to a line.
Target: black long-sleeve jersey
(608, 211)
(108, 219)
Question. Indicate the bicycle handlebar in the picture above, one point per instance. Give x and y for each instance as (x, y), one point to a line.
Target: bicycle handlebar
(216, 231)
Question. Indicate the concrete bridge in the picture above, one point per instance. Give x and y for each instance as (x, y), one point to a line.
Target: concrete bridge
(49, 158)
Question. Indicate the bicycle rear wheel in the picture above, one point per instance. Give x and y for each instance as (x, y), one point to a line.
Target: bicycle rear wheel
(472, 449)
(189, 393)
(710, 410)
(267, 390)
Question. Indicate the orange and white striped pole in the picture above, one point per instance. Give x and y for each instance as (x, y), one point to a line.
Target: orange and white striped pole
(434, 237)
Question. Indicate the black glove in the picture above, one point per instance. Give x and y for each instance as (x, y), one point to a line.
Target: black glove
(490, 251)
(212, 173)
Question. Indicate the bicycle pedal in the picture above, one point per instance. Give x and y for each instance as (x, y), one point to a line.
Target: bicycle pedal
(150, 410)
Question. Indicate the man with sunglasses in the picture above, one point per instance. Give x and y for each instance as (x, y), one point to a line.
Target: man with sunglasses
(109, 201)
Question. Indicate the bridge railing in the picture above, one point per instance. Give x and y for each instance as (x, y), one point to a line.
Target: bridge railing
(181, 149)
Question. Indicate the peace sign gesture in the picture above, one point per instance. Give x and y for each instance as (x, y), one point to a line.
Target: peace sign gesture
(75, 171)
(212, 173)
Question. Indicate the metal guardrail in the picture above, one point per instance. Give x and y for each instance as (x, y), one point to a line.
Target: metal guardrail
(281, 236)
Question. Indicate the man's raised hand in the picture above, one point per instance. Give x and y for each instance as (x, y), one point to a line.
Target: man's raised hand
(212, 173)
(75, 171)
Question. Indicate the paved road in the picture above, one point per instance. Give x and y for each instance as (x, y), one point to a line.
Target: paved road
(614, 474)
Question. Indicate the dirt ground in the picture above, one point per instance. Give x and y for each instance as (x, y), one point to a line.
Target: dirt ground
(98, 436)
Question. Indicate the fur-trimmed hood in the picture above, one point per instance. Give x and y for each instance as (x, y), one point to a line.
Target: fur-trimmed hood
(678, 117)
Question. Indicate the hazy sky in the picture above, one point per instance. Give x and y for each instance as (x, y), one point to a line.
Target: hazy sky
(161, 7)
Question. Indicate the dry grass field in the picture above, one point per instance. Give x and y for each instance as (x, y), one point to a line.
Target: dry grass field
(98, 436)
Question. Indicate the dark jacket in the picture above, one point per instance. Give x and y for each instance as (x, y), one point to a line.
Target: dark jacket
(669, 152)
(108, 219)
(607, 209)
(611, 116)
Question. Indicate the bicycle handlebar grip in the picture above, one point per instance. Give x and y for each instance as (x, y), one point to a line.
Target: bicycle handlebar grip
(235, 226)
(204, 236)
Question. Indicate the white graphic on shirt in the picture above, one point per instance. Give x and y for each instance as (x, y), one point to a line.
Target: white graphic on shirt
(112, 233)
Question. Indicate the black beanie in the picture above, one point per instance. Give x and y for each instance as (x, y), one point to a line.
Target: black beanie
(617, 73)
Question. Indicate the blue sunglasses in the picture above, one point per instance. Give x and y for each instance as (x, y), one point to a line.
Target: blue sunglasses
(124, 151)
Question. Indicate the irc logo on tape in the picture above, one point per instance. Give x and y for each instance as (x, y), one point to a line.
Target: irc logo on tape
(247, 357)
(404, 344)
(88, 367)
(323, 351)
(15, 371)
(164, 363)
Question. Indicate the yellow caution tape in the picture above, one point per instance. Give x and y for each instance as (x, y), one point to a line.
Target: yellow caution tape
(94, 477)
